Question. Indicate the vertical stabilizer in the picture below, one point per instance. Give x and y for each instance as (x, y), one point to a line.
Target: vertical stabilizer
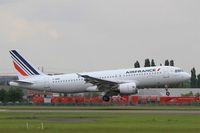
(24, 68)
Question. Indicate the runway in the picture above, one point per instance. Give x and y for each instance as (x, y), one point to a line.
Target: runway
(103, 111)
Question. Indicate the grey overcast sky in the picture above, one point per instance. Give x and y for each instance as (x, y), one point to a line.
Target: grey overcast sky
(89, 35)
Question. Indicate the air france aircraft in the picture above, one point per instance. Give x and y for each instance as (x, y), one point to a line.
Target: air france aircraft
(110, 82)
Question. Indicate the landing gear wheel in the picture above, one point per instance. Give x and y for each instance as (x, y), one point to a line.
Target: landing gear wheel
(106, 98)
(167, 90)
(168, 93)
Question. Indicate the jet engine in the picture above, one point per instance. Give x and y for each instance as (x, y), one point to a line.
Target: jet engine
(128, 88)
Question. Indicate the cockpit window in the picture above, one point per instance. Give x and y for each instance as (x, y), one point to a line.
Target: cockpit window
(178, 70)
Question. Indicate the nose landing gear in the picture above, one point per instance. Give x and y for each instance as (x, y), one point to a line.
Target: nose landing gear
(167, 90)
(167, 93)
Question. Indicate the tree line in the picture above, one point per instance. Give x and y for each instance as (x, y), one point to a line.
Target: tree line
(195, 79)
(12, 95)
(151, 63)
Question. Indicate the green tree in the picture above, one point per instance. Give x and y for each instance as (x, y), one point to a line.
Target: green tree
(3, 95)
(171, 63)
(166, 62)
(15, 94)
(193, 82)
(198, 80)
(137, 64)
(147, 63)
(153, 63)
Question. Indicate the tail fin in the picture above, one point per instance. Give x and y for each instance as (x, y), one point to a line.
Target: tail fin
(23, 67)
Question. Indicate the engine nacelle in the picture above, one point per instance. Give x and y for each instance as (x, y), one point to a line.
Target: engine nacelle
(128, 88)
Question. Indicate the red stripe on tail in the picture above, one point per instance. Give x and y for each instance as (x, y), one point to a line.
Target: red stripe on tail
(19, 69)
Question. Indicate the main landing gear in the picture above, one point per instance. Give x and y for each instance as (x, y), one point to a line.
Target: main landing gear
(106, 98)
(167, 90)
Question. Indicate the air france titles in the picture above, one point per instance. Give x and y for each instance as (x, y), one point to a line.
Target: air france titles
(142, 71)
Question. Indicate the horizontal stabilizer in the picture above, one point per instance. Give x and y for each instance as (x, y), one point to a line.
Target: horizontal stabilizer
(18, 82)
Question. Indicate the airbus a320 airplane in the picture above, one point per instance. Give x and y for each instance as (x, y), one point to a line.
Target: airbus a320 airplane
(111, 82)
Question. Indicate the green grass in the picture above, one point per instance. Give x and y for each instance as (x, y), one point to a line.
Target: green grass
(139, 107)
(98, 123)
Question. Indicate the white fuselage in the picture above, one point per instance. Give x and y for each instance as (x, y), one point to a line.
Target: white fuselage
(73, 83)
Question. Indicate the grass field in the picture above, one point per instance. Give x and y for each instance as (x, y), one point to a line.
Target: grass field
(142, 107)
(98, 123)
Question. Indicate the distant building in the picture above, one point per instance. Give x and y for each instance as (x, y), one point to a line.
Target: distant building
(4, 80)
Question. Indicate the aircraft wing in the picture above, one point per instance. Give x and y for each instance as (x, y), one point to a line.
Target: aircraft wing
(100, 83)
